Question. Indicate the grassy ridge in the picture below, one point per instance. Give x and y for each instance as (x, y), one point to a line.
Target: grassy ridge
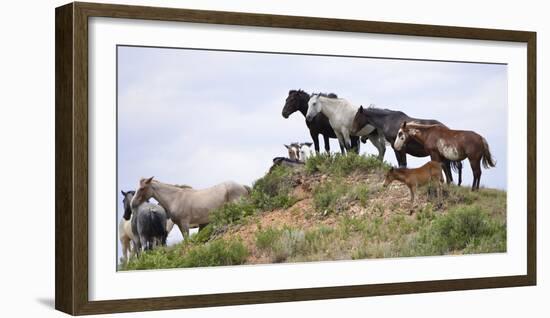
(344, 214)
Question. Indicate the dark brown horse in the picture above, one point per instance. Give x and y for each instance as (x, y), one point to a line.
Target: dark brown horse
(442, 144)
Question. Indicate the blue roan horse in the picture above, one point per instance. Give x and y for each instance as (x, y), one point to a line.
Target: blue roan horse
(148, 223)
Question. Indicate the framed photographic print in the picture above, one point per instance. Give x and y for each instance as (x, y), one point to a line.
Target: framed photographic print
(246, 156)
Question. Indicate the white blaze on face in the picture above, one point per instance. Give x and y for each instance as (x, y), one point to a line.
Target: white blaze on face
(448, 151)
(293, 153)
(400, 140)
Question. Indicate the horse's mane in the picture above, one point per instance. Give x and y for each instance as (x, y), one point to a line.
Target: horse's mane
(416, 125)
(381, 111)
(183, 186)
(180, 186)
(329, 95)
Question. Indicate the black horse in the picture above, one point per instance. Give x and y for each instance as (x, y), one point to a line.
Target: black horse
(389, 121)
(297, 100)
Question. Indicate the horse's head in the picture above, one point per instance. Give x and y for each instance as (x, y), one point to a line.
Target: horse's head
(403, 136)
(293, 151)
(143, 193)
(314, 107)
(295, 100)
(127, 198)
(305, 150)
(360, 120)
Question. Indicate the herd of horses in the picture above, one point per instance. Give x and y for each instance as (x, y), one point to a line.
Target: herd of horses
(145, 225)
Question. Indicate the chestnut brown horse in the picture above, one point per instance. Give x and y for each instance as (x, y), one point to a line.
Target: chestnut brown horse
(443, 143)
(412, 178)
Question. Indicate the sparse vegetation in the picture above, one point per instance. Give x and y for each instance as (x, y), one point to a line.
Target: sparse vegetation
(339, 165)
(344, 214)
(273, 190)
(335, 196)
(215, 253)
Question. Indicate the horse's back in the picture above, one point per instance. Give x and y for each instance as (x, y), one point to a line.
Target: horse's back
(235, 190)
(215, 196)
(151, 220)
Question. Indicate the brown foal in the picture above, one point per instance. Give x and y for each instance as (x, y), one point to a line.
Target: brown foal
(430, 172)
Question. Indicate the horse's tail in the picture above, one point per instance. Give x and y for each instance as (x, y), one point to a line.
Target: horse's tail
(456, 166)
(486, 157)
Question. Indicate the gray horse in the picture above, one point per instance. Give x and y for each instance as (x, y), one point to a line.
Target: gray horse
(148, 223)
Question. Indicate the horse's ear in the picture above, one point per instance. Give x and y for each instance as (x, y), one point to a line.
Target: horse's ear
(287, 146)
(123, 193)
(149, 180)
(308, 144)
(404, 124)
(361, 109)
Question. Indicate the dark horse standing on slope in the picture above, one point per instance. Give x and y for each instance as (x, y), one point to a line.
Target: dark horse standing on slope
(148, 223)
(443, 143)
(297, 100)
(389, 121)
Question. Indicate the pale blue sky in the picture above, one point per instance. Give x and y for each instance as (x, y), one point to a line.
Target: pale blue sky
(202, 117)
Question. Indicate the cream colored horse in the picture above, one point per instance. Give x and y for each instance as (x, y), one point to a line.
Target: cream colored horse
(126, 237)
(187, 206)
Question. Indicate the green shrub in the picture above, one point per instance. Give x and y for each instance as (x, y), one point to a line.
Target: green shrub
(216, 253)
(281, 244)
(266, 239)
(203, 235)
(290, 243)
(279, 180)
(189, 254)
(463, 227)
(330, 197)
(274, 189)
(232, 212)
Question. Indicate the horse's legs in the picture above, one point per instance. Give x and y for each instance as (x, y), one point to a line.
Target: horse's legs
(447, 169)
(125, 246)
(459, 168)
(380, 143)
(326, 139)
(145, 242)
(355, 144)
(341, 141)
(347, 139)
(315, 138)
(137, 246)
(401, 157)
(184, 229)
(412, 190)
(476, 170)
(132, 248)
(438, 182)
(169, 225)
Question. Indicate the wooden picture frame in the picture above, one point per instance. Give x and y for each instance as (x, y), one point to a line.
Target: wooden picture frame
(71, 124)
